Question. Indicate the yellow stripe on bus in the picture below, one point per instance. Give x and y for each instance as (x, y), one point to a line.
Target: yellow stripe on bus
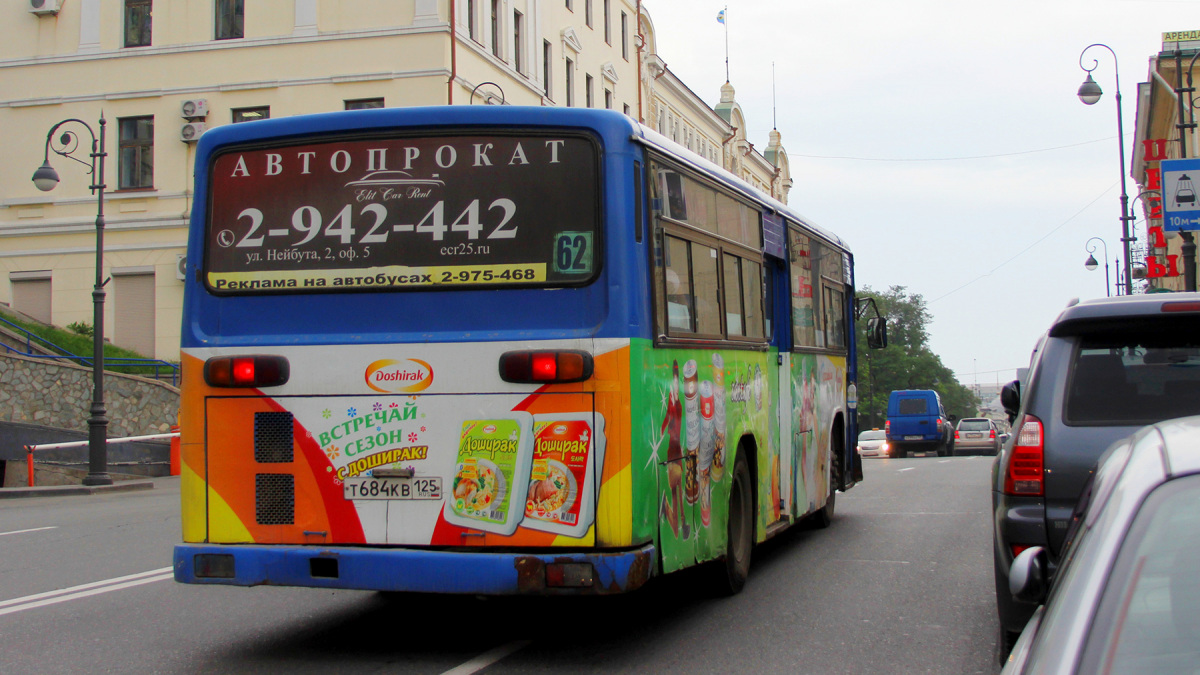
(614, 513)
(191, 485)
(224, 527)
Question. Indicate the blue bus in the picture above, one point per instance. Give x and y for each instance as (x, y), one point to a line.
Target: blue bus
(496, 350)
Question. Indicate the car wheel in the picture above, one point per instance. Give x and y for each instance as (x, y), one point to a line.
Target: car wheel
(1009, 611)
(739, 529)
(1005, 643)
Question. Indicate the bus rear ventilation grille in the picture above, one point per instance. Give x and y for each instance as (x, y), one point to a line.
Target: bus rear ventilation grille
(273, 437)
(274, 499)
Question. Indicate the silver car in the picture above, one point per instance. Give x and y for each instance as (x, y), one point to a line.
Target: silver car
(976, 435)
(1126, 595)
(873, 443)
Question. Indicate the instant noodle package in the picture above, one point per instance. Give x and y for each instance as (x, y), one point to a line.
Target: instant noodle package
(534, 471)
(489, 484)
(567, 451)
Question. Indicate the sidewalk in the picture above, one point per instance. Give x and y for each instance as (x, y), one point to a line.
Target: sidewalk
(66, 490)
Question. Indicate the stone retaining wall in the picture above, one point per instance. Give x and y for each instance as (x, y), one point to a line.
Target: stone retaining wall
(59, 395)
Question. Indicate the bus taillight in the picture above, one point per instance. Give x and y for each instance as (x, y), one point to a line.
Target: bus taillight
(546, 366)
(246, 371)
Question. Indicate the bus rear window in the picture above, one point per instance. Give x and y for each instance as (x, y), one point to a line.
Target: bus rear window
(404, 213)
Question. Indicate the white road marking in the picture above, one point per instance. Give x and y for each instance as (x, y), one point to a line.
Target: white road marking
(487, 658)
(85, 590)
(943, 461)
(35, 529)
(908, 469)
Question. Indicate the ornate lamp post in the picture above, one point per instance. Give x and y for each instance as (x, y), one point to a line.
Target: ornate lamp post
(1090, 264)
(1089, 93)
(46, 178)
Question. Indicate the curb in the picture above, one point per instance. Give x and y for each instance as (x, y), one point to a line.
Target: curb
(68, 490)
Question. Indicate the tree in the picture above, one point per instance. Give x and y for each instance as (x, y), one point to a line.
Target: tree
(906, 363)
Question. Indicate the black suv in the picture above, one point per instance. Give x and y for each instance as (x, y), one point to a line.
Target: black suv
(1104, 369)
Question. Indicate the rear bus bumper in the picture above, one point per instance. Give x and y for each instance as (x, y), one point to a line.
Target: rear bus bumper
(414, 570)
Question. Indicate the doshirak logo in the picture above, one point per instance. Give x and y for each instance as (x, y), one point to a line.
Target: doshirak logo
(403, 376)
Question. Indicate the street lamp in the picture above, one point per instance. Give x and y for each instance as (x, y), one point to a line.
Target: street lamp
(46, 178)
(1090, 264)
(1089, 93)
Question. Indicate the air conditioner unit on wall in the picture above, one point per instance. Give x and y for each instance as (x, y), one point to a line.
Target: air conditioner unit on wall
(181, 267)
(43, 7)
(191, 131)
(194, 108)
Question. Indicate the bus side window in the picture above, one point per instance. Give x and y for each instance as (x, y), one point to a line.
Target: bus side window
(679, 286)
(743, 297)
(693, 304)
(639, 209)
(804, 314)
(835, 318)
(734, 312)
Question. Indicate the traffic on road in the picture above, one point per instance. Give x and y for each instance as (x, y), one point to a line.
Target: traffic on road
(900, 575)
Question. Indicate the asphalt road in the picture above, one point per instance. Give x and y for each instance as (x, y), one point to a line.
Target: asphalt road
(900, 583)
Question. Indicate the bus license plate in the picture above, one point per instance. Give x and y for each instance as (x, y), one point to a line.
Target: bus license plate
(369, 487)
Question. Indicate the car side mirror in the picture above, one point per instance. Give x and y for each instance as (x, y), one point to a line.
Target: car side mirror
(1027, 577)
(1010, 398)
(877, 332)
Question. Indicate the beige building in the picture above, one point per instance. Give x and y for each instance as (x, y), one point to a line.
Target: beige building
(1158, 137)
(162, 72)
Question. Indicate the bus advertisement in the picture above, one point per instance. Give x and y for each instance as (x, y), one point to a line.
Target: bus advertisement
(500, 350)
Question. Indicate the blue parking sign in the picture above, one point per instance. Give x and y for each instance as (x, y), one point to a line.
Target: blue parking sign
(1180, 202)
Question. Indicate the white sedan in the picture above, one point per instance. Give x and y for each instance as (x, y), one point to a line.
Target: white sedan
(873, 443)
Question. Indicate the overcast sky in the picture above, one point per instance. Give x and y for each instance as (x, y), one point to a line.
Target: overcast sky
(944, 141)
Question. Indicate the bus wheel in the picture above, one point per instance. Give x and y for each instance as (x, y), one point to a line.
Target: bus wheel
(739, 529)
(824, 516)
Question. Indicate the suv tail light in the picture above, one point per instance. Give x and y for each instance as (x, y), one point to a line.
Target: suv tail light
(992, 434)
(1023, 475)
(956, 434)
(887, 428)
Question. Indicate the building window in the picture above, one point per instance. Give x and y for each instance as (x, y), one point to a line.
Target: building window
(134, 309)
(231, 16)
(624, 36)
(137, 23)
(251, 114)
(587, 12)
(135, 161)
(471, 20)
(607, 23)
(625, 108)
(31, 293)
(362, 104)
(608, 99)
(518, 42)
(570, 83)
(570, 5)
(496, 28)
(588, 91)
(547, 53)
